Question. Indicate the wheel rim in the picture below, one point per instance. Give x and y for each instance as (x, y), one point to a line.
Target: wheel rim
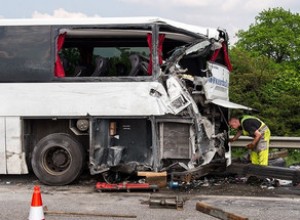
(57, 160)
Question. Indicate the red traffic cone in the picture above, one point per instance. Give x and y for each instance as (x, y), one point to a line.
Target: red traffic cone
(36, 209)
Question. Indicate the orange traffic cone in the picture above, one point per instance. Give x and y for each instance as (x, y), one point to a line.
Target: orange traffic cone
(36, 209)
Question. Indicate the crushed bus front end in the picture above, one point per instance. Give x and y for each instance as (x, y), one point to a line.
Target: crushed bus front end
(190, 132)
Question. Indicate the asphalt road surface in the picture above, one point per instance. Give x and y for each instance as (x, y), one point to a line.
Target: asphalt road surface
(245, 200)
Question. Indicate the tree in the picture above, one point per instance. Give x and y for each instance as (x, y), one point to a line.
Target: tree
(271, 88)
(274, 34)
(249, 76)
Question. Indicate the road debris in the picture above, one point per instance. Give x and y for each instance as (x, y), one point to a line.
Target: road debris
(65, 213)
(278, 154)
(155, 178)
(218, 213)
(212, 181)
(196, 173)
(297, 167)
(169, 202)
(265, 172)
(128, 187)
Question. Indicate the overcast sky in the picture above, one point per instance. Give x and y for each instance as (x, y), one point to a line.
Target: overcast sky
(231, 15)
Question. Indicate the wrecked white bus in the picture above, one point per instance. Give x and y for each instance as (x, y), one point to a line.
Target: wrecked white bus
(116, 95)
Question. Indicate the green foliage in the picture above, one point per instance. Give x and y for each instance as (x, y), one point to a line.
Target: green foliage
(274, 34)
(293, 158)
(238, 153)
(249, 76)
(268, 87)
(71, 56)
(282, 97)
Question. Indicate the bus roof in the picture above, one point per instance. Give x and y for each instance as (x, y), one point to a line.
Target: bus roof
(203, 31)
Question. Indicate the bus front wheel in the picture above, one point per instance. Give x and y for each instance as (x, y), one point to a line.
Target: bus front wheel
(58, 159)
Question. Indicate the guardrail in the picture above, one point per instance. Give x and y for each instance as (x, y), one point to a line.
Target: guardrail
(275, 142)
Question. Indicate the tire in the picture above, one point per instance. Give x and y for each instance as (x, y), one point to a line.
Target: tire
(58, 159)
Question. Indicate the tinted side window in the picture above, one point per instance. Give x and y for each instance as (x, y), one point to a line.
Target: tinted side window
(25, 54)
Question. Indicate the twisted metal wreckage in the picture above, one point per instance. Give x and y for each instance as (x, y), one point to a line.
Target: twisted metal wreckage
(196, 105)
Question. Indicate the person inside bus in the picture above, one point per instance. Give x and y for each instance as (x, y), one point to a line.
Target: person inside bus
(256, 128)
(85, 65)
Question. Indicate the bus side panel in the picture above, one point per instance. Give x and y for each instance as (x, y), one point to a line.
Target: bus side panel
(15, 156)
(81, 99)
(2, 146)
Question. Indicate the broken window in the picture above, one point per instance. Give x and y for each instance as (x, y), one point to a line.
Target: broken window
(102, 53)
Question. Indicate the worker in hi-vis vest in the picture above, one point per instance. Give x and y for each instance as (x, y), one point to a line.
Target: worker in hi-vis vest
(253, 127)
